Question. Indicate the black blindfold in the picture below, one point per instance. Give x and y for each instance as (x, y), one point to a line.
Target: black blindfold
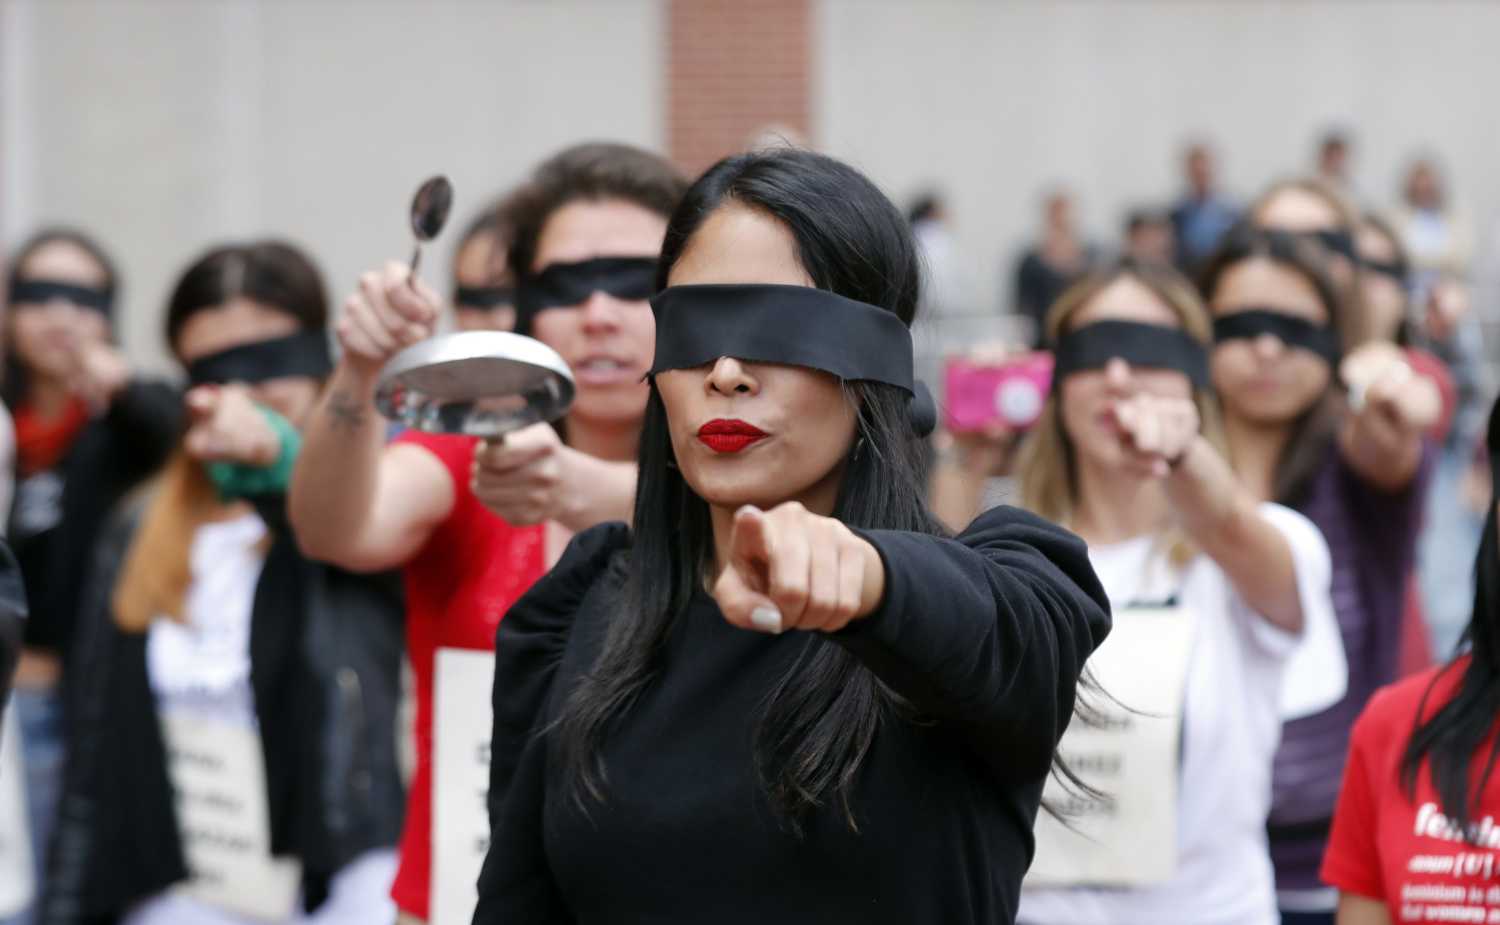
(792, 326)
(1151, 346)
(42, 291)
(564, 285)
(304, 354)
(1295, 332)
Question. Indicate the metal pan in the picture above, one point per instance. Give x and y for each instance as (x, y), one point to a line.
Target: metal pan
(480, 383)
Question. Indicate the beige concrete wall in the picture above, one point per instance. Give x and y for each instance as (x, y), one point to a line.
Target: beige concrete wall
(167, 124)
(995, 100)
(164, 125)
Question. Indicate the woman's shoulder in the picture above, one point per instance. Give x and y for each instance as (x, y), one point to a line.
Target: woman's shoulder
(1005, 521)
(1304, 537)
(454, 451)
(589, 557)
(1006, 527)
(1010, 536)
(1392, 710)
(144, 397)
(593, 548)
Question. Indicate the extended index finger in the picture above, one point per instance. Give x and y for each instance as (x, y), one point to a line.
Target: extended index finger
(750, 539)
(201, 401)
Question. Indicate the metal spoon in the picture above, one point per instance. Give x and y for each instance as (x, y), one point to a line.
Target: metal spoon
(429, 213)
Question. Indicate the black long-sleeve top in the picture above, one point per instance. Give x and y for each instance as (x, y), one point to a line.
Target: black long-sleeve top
(59, 514)
(985, 634)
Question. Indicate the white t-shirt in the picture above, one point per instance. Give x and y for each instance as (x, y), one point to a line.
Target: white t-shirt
(203, 663)
(1232, 720)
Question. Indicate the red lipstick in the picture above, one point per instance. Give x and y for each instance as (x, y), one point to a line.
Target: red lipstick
(723, 436)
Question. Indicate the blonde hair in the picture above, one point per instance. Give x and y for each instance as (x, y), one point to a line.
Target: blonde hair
(1048, 467)
(157, 570)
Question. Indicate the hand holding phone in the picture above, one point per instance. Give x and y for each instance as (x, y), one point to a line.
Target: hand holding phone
(1010, 392)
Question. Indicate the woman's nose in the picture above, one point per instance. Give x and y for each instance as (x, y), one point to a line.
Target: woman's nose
(729, 376)
(63, 309)
(1268, 346)
(600, 312)
(1117, 374)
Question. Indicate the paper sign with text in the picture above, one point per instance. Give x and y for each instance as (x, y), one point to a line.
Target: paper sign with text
(218, 774)
(461, 727)
(1130, 837)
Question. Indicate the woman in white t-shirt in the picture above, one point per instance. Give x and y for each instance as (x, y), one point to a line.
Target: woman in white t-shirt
(1212, 592)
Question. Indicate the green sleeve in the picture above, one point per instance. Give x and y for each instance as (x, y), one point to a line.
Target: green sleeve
(238, 480)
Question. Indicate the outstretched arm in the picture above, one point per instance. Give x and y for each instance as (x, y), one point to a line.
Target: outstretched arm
(1393, 406)
(355, 501)
(987, 632)
(1217, 511)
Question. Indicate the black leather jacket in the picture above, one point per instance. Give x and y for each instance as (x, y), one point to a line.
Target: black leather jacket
(325, 668)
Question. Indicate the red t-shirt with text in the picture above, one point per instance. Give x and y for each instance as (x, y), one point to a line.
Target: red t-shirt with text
(1403, 850)
(458, 586)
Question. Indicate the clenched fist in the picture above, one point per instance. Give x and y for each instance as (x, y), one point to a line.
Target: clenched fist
(99, 373)
(521, 479)
(383, 315)
(1157, 430)
(226, 425)
(789, 568)
(1386, 393)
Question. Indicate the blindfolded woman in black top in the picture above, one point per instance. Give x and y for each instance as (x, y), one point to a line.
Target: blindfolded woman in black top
(784, 695)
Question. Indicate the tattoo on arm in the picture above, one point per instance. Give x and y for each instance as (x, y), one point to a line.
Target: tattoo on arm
(348, 413)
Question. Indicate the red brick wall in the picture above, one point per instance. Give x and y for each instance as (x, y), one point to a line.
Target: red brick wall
(734, 68)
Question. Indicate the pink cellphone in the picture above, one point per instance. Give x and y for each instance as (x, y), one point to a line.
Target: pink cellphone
(1011, 393)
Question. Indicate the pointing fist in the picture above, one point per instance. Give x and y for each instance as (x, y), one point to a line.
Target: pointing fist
(1386, 392)
(1157, 431)
(227, 426)
(789, 568)
(99, 372)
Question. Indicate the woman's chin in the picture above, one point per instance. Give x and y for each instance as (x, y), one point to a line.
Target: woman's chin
(624, 404)
(1270, 411)
(733, 494)
(1108, 457)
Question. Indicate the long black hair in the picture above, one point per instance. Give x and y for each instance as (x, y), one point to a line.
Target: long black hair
(821, 717)
(1315, 428)
(1451, 738)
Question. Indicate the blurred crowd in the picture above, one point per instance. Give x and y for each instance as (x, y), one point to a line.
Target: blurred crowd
(247, 559)
(1421, 281)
